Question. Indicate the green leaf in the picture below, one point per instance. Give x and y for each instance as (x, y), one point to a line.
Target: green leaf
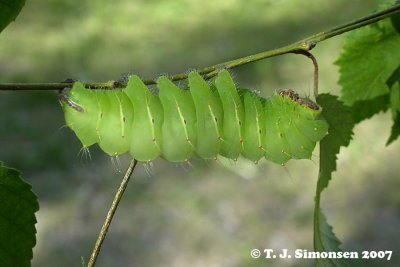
(366, 109)
(395, 100)
(18, 205)
(340, 120)
(396, 20)
(369, 57)
(395, 106)
(9, 10)
(325, 240)
(395, 77)
(395, 130)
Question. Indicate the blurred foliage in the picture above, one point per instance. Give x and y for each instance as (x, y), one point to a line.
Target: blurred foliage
(211, 214)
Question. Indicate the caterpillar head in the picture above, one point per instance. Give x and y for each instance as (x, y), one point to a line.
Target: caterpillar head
(289, 93)
(308, 103)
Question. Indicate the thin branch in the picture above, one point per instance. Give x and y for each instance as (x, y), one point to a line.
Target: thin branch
(110, 214)
(303, 45)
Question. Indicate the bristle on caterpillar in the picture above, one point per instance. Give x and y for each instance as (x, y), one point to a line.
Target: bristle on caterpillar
(207, 120)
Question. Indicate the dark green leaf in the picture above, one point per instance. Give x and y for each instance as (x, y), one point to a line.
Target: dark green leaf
(395, 130)
(18, 205)
(369, 57)
(325, 240)
(9, 10)
(396, 20)
(395, 108)
(340, 120)
(395, 77)
(395, 99)
(366, 109)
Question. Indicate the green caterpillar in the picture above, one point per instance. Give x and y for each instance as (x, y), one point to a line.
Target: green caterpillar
(206, 121)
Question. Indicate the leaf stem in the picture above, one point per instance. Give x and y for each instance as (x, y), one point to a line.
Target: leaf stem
(303, 45)
(315, 63)
(110, 214)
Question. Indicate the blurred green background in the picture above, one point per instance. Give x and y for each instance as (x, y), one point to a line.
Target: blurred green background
(211, 214)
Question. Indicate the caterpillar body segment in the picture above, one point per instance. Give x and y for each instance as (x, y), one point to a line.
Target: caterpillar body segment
(209, 117)
(145, 134)
(83, 122)
(299, 146)
(276, 145)
(114, 122)
(232, 145)
(178, 128)
(254, 127)
(208, 120)
(310, 123)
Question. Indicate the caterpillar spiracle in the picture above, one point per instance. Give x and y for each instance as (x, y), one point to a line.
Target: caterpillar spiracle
(206, 120)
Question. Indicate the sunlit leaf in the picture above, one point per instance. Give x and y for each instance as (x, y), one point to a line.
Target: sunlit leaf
(369, 57)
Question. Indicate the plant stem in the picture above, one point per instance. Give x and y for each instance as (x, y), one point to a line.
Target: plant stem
(110, 214)
(315, 63)
(303, 45)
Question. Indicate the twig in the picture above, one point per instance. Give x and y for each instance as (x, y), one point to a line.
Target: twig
(303, 45)
(110, 214)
